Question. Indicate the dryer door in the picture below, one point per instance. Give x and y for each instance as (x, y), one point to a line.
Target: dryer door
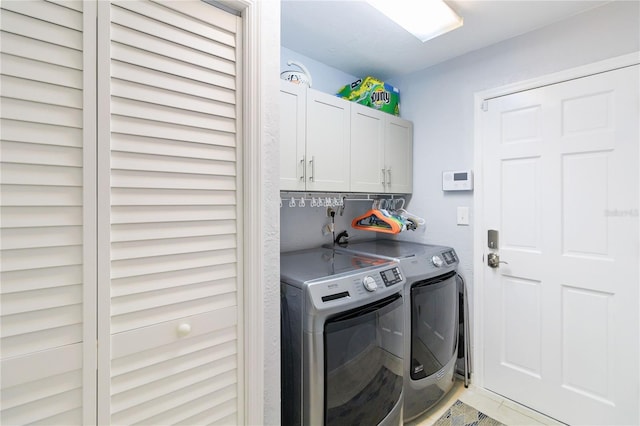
(363, 363)
(434, 324)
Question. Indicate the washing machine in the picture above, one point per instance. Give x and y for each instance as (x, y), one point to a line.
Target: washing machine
(342, 342)
(431, 316)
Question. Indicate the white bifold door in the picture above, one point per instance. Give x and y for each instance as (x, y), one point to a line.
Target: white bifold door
(47, 214)
(121, 285)
(560, 315)
(168, 213)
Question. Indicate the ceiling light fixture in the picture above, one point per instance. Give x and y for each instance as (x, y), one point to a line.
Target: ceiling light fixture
(425, 19)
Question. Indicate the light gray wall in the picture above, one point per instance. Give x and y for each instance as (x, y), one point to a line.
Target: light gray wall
(301, 227)
(440, 100)
(324, 78)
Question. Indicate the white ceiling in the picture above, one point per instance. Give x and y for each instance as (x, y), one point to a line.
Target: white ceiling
(356, 38)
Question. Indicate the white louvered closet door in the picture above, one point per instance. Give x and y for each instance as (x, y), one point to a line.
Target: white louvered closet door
(170, 184)
(47, 245)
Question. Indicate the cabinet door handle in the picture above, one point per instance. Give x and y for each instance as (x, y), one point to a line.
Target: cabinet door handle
(313, 168)
(383, 180)
(302, 163)
(389, 178)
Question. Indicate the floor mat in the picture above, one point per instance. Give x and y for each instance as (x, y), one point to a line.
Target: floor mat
(460, 414)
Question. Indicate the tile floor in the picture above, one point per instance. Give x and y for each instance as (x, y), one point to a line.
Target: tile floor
(503, 410)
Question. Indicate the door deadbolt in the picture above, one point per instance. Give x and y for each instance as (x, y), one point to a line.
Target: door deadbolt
(493, 260)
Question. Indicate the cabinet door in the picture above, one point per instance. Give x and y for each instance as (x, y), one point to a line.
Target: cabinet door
(292, 133)
(399, 155)
(328, 154)
(47, 275)
(367, 149)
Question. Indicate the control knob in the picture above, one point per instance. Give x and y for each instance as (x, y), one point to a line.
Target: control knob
(369, 283)
(437, 261)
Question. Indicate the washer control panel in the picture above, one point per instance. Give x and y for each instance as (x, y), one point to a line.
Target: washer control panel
(391, 276)
(450, 257)
(333, 292)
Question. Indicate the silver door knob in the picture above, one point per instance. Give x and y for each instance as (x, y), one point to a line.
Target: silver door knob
(493, 260)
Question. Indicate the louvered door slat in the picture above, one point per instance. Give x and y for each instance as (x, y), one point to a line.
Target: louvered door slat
(159, 180)
(187, 370)
(130, 126)
(155, 231)
(200, 11)
(42, 51)
(194, 58)
(154, 78)
(172, 164)
(121, 214)
(17, 152)
(158, 112)
(151, 94)
(49, 12)
(173, 224)
(33, 279)
(41, 92)
(53, 33)
(186, 305)
(164, 247)
(223, 414)
(19, 238)
(136, 285)
(38, 133)
(174, 66)
(69, 4)
(17, 109)
(214, 291)
(41, 71)
(193, 403)
(161, 13)
(176, 262)
(147, 145)
(182, 36)
(41, 175)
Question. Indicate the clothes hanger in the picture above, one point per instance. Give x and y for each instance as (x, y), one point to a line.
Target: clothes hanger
(377, 221)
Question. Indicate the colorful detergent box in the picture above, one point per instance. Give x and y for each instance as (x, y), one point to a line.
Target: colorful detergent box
(373, 93)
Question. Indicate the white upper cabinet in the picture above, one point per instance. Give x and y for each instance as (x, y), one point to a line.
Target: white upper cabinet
(327, 154)
(381, 151)
(398, 153)
(293, 121)
(367, 149)
(330, 144)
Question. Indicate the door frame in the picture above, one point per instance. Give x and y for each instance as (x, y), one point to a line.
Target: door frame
(479, 235)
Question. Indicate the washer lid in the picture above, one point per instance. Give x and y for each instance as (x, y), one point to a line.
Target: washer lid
(318, 263)
(394, 249)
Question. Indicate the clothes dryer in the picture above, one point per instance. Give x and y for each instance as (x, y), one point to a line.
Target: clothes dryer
(431, 316)
(342, 323)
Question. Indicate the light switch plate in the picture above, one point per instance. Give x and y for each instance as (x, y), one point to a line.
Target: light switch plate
(463, 216)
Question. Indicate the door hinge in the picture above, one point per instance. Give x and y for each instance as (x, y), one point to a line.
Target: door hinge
(485, 106)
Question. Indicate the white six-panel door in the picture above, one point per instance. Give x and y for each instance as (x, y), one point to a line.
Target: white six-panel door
(560, 320)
